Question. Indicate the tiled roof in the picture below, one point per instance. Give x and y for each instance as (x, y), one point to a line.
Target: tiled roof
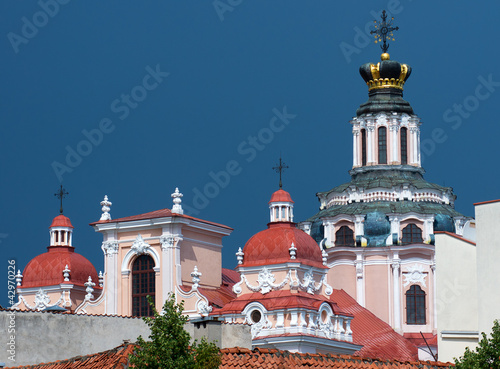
(281, 196)
(237, 357)
(271, 246)
(233, 358)
(162, 213)
(283, 299)
(379, 340)
(47, 269)
(115, 358)
(61, 221)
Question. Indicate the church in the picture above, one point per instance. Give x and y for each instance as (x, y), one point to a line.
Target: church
(358, 277)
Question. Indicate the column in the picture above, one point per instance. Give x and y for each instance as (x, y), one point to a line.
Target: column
(360, 287)
(397, 296)
(394, 144)
(112, 275)
(355, 148)
(359, 225)
(395, 226)
(369, 144)
(414, 146)
(434, 294)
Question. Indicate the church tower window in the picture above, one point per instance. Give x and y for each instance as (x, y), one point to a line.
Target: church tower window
(382, 145)
(415, 305)
(344, 237)
(363, 147)
(404, 145)
(412, 234)
(143, 285)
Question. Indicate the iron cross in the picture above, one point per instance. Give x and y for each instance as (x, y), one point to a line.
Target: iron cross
(384, 31)
(280, 169)
(61, 194)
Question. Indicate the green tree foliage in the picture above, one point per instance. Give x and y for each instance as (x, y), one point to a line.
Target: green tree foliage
(169, 347)
(486, 355)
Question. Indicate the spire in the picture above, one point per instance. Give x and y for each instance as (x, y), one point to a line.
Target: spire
(61, 194)
(280, 169)
(384, 32)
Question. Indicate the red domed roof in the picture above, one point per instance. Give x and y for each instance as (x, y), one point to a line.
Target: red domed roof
(271, 246)
(61, 221)
(47, 269)
(281, 196)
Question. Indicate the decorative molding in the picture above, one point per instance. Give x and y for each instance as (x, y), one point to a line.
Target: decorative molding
(414, 274)
(106, 207)
(170, 241)
(309, 284)
(266, 281)
(324, 257)
(203, 308)
(140, 246)
(359, 268)
(110, 248)
(101, 279)
(42, 300)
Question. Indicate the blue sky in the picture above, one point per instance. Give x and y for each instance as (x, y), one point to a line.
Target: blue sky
(74, 79)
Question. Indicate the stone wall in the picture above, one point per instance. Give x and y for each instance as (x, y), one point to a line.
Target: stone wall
(44, 337)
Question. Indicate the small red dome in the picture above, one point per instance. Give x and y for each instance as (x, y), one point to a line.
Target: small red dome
(61, 221)
(281, 196)
(272, 245)
(47, 269)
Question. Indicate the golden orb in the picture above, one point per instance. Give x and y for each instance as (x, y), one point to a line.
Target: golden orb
(385, 56)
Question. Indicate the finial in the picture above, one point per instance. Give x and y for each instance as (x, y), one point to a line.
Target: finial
(101, 279)
(19, 277)
(90, 288)
(195, 274)
(61, 194)
(66, 272)
(324, 256)
(293, 252)
(106, 208)
(239, 256)
(280, 169)
(384, 32)
(177, 208)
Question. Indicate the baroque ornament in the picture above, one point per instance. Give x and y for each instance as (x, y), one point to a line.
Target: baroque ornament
(415, 274)
(110, 248)
(140, 246)
(42, 300)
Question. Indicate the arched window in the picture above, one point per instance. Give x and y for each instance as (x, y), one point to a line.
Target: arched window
(404, 145)
(382, 145)
(412, 234)
(363, 147)
(415, 305)
(344, 237)
(143, 284)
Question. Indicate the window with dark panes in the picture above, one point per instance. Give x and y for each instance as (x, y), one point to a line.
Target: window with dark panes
(143, 285)
(415, 305)
(382, 145)
(404, 145)
(344, 237)
(411, 234)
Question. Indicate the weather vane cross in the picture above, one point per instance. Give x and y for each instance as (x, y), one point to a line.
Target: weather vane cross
(61, 194)
(280, 169)
(384, 31)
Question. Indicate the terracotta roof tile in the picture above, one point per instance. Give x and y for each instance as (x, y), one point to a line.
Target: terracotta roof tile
(162, 213)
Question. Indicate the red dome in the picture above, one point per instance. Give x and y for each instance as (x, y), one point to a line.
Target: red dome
(61, 221)
(47, 269)
(271, 246)
(281, 196)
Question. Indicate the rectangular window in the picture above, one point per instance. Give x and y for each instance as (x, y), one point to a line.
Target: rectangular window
(382, 145)
(363, 147)
(404, 146)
